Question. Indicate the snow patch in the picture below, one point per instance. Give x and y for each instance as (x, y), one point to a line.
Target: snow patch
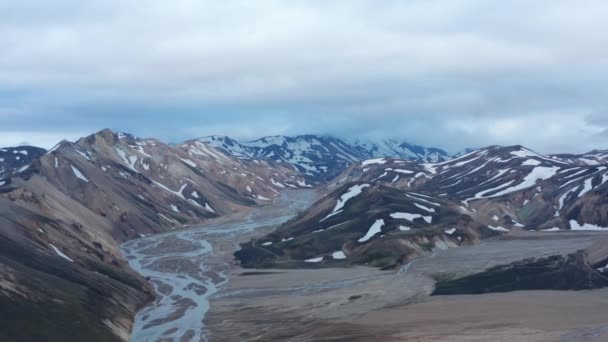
(262, 198)
(498, 228)
(188, 162)
(422, 200)
(373, 230)
(430, 210)
(540, 172)
(405, 172)
(319, 259)
(373, 161)
(339, 255)
(277, 184)
(84, 155)
(587, 187)
(303, 184)
(177, 193)
(60, 253)
(574, 225)
(129, 160)
(78, 174)
(411, 217)
(351, 193)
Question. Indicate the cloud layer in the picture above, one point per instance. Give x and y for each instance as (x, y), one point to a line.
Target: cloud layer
(447, 73)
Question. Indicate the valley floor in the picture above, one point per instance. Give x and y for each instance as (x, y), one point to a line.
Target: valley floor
(203, 295)
(188, 266)
(364, 304)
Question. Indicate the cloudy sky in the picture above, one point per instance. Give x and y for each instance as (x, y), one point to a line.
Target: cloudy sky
(445, 73)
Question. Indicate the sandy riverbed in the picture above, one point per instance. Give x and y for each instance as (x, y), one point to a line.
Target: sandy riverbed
(364, 304)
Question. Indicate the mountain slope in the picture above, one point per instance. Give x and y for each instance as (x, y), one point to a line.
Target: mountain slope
(362, 223)
(64, 215)
(384, 211)
(322, 157)
(538, 191)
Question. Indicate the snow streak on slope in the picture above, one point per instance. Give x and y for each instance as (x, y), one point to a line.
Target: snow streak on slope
(537, 173)
(376, 228)
(351, 193)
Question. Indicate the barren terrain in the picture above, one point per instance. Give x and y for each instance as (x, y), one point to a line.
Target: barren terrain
(365, 304)
(203, 295)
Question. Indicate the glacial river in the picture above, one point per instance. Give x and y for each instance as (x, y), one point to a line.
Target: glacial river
(186, 268)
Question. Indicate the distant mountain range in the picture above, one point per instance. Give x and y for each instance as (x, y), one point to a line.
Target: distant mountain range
(323, 157)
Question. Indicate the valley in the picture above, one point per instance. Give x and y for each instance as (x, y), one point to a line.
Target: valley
(303, 171)
(302, 239)
(189, 266)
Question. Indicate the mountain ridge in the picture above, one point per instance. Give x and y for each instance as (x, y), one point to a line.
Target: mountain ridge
(322, 157)
(386, 212)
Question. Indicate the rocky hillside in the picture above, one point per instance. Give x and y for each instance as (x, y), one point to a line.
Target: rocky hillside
(14, 158)
(323, 157)
(64, 215)
(386, 211)
(365, 223)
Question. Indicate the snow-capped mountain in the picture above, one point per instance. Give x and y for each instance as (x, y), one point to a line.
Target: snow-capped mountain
(401, 150)
(323, 157)
(385, 211)
(14, 158)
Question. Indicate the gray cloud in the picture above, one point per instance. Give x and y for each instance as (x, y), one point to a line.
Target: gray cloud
(448, 73)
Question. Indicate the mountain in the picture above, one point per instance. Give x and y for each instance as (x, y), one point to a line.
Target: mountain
(64, 215)
(364, 223)
(595, 157)
(386, 211)
(14, 158)
(401, 150)
(322, 157)
(64, 212)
